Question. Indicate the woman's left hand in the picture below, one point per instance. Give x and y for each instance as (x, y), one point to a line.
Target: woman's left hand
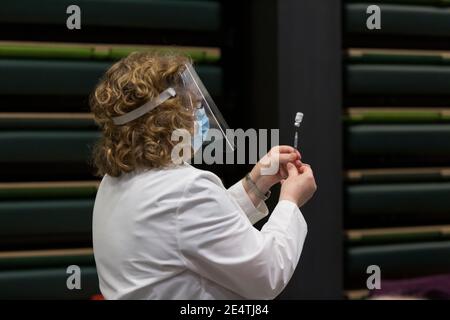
(277, 158)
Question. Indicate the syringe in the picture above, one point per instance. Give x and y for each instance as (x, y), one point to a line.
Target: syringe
(297, 122)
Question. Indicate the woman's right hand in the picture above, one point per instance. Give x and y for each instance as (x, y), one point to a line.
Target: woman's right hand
(299, 186)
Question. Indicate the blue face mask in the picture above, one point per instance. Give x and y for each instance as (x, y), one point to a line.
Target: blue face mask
(202, 128)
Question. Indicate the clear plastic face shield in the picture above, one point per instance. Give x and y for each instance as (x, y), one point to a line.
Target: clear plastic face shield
(205, 110)
(209, 124)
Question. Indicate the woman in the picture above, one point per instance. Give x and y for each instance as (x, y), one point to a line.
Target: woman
(170, 231)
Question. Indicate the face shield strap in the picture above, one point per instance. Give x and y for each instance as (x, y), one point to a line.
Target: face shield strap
(145, 108)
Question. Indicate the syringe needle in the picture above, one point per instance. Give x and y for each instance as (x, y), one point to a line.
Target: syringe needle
(296, 140)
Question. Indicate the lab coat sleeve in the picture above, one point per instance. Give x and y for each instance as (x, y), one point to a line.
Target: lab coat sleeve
(219, 243)
(254, 214)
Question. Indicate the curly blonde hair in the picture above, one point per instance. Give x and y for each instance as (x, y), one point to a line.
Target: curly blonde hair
(144, 142)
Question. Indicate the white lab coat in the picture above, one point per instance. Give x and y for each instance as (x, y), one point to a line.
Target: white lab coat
(177, 233)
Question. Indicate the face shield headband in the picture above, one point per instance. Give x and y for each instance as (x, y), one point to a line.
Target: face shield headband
(145, 108)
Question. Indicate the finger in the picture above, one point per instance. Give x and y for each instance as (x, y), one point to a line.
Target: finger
(285, 149)
(282, 181)
(292, 170)
(287, 157)
(299, 154)
(306, 169)
(283, 172)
